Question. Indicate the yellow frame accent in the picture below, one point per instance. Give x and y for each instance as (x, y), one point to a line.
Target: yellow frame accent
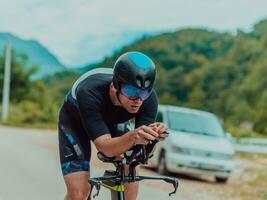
(118, 188)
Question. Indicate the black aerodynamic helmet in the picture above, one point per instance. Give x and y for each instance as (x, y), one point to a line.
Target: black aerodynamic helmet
(134, 75)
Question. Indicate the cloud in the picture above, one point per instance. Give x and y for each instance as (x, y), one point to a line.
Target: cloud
(76, 29)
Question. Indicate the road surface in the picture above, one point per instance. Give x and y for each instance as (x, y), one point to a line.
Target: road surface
(30, 170)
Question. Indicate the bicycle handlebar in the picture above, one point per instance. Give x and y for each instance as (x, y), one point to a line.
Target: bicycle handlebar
(97, 181)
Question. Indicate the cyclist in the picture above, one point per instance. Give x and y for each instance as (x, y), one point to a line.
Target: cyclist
(95, 109)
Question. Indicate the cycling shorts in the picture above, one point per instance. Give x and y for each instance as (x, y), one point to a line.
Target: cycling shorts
(74, 144)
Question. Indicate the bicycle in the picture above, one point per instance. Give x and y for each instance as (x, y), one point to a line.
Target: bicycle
(114, 179)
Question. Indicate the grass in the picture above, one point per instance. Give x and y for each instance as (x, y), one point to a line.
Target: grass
(252, 184)
(259, 184)
(251, 156)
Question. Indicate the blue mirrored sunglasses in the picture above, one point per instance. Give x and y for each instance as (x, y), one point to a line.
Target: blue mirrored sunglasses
(134, 93)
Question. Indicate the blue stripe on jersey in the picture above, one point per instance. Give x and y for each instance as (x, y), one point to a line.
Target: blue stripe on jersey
(70, 138)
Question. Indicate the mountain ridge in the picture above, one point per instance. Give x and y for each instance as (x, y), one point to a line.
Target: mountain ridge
(36, 53)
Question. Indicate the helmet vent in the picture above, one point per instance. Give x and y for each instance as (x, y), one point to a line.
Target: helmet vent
(147, 83)
(138, 82)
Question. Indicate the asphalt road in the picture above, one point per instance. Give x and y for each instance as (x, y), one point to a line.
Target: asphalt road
(30, 170)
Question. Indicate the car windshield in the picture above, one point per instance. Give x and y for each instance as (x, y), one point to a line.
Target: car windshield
(195, 123)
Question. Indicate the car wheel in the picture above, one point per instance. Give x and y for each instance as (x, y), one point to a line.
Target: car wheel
(161, 168)
(221, 180)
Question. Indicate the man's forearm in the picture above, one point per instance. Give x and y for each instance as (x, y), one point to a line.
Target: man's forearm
(117, 145)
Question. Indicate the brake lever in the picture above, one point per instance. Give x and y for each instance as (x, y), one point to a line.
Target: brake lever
(174, 182)
(97, 186)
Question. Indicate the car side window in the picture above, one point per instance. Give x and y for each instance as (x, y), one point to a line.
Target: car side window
(159, 117)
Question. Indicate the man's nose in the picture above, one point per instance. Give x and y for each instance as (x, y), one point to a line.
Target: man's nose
(138, 100)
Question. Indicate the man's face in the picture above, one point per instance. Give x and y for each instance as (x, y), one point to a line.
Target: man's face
(132, 106)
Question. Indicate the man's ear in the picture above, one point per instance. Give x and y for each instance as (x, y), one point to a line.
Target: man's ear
(113, 87)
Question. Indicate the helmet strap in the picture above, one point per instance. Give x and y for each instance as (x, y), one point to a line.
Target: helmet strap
(118, 97)
(117, 86)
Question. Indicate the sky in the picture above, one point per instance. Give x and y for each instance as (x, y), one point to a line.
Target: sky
(79, 32)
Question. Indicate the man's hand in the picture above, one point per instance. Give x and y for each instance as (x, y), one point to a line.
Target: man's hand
(143, 134)
(161, 129)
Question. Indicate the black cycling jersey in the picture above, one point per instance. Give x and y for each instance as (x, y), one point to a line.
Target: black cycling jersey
(88, 113)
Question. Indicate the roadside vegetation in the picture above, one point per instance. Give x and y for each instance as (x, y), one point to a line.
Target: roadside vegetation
(250, 180)
(31, 103)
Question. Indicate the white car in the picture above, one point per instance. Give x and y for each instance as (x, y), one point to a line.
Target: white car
(197, 144)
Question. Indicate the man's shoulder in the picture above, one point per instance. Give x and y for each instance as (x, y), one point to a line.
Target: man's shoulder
(92, 79)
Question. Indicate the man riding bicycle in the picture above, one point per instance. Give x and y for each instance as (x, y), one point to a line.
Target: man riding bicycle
(99, 101)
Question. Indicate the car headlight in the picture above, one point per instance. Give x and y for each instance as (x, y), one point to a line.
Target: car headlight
(180, 150)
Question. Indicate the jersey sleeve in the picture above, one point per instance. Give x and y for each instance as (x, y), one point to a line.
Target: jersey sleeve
(148, 111)
(91, 114)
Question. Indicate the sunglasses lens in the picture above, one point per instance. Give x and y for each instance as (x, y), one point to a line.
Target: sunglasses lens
(143, 94)
(133, 93)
